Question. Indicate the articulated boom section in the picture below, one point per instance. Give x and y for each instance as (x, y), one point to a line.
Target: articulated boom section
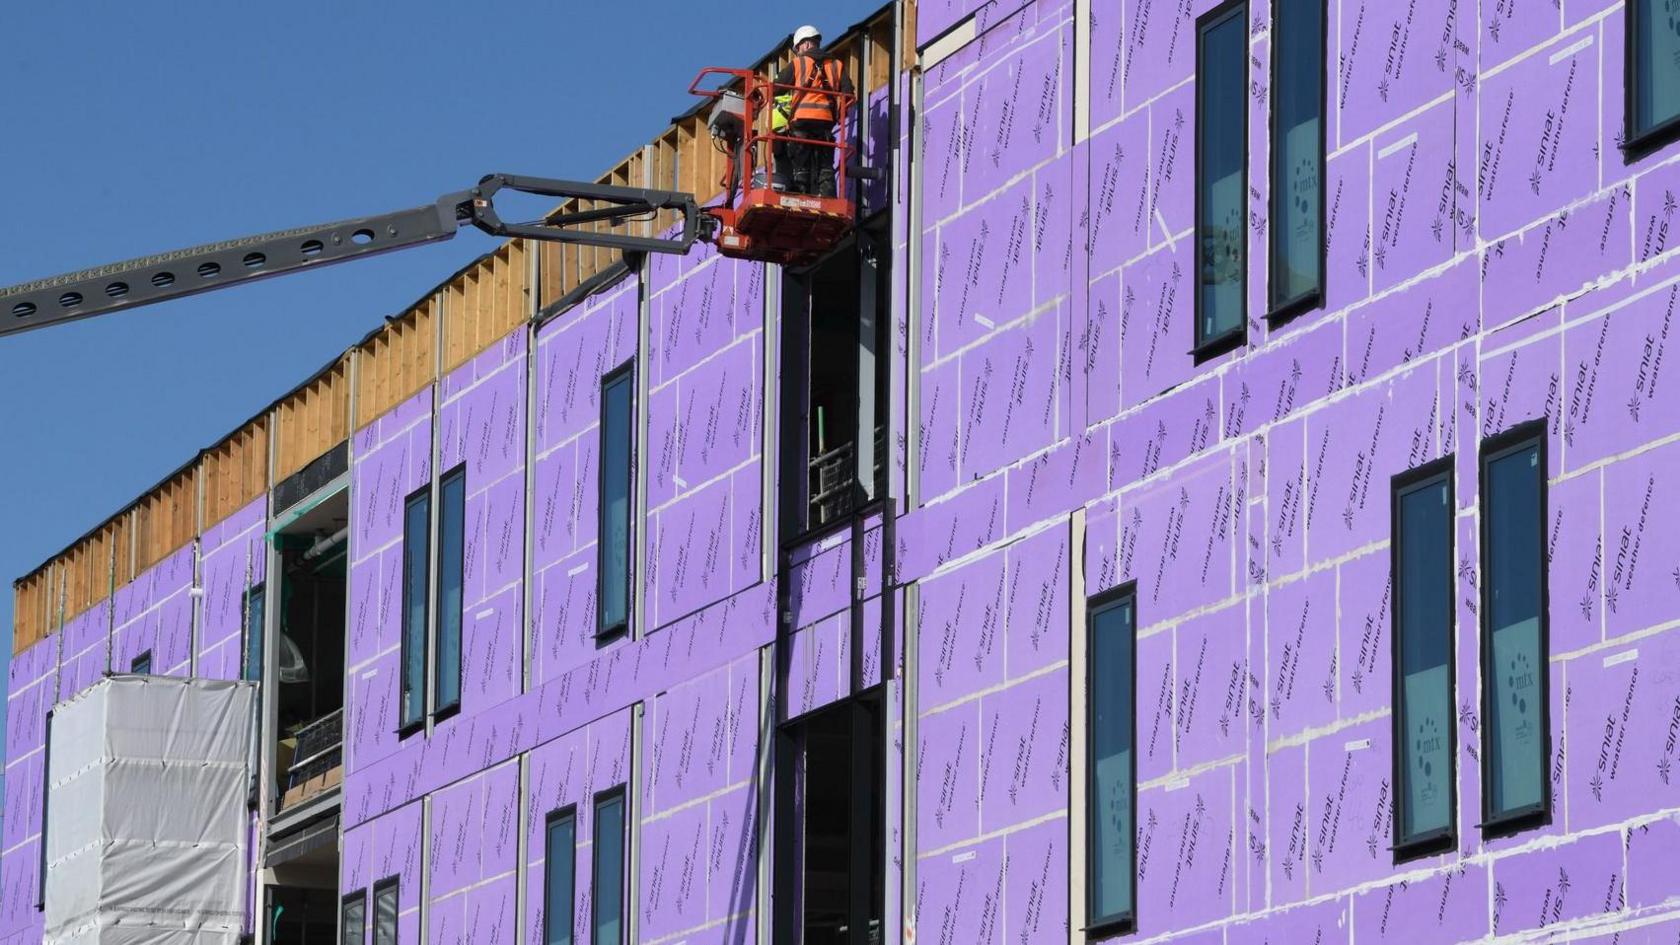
(759, 219)
(184, 272)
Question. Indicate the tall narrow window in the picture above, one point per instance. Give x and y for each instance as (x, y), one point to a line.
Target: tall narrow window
(1221, 177)
(1112, 771)
(385, 912)
(834, 381)
(1422, 559)
(352, 919)
(452, 519)
(829, 826)
(1297, 191)
(1652, 76)
(141, 665)
(559, 867)
(1515, 734)
(417, 525)
(255, 601)
(609, 868)
(46, 799)
(617, 430)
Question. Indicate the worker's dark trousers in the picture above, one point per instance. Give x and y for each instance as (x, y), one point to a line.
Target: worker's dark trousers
(813, 164)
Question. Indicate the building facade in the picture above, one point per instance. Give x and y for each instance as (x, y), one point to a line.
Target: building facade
(1213, 497)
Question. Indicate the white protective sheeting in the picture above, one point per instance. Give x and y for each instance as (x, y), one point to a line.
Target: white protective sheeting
(146, 817)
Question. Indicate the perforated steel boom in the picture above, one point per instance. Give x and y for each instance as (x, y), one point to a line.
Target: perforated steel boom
(149, 279)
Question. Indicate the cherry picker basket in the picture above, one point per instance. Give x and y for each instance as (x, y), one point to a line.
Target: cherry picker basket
(759, 218)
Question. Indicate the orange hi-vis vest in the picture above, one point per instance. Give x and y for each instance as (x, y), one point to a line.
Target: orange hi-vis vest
(808, 73)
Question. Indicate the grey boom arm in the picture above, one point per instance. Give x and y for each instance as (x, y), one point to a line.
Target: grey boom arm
(125, 285)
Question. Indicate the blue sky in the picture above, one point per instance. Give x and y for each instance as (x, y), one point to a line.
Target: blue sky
(130, 130)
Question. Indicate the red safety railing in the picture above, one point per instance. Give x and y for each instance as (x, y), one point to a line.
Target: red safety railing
(757, 143)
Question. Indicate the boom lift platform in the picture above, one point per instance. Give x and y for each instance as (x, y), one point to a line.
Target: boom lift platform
(755, 221)
(758, 218)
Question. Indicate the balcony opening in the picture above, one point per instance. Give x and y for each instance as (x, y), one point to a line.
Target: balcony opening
(830, 842)
(834, 394)
(306, 678)
(301, 902)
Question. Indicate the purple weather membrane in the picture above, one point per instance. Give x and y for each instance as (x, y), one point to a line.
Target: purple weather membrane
(961, 893)
(1347, 226)
(1210, 687)
(1553, 258)
(961, 619)
(1621, 713)
(1539, 149)
(1395, 57)
(1024, 755)
(1156, 307)
(1365, 648)
(948, 779)
(1612, 369)
(1186, 852)
(1553, 885)
(1412, 197)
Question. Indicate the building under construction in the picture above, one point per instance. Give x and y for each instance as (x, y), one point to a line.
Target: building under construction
(1207, 490)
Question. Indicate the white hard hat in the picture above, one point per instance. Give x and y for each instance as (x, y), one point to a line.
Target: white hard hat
(804, 33)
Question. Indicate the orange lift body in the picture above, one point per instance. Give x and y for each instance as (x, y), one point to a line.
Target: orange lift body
(756, 220)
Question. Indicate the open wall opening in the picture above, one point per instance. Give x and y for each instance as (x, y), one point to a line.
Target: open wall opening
(830, 834)
(834, 382)
(306, 678)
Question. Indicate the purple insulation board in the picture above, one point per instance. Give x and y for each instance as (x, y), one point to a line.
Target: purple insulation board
(233, 555)
(1491, 260)
(154, 614)
(392, 459)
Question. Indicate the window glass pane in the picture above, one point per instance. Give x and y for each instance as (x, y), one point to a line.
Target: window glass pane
(609, 870)
(1424, 596)
(416, 532)
(1656, 96)
(1221, 237)
(1516, 766)
(1111, 687)
(559, 864)
(615, 503)
(452, 494)
(352, 928)
(254, 603)
(1297, 162)
(385, 914)
(142, 664)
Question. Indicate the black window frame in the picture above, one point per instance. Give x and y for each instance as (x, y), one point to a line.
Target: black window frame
(1638, 144)
(357, 898)
(46, 799)
(393, 885)
(443, 710)
(866, 708)
(605, 633)
(871, 244)
(1282, 311)
(1206, 349)
(408, 726)
(1494, 448)
(1403, 484)
(1123, 922)
(557, 816)
(620, 795)
(142, 658)
(255, 604)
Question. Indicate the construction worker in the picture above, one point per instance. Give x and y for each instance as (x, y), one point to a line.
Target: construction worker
(812, 111)
(781, 168)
